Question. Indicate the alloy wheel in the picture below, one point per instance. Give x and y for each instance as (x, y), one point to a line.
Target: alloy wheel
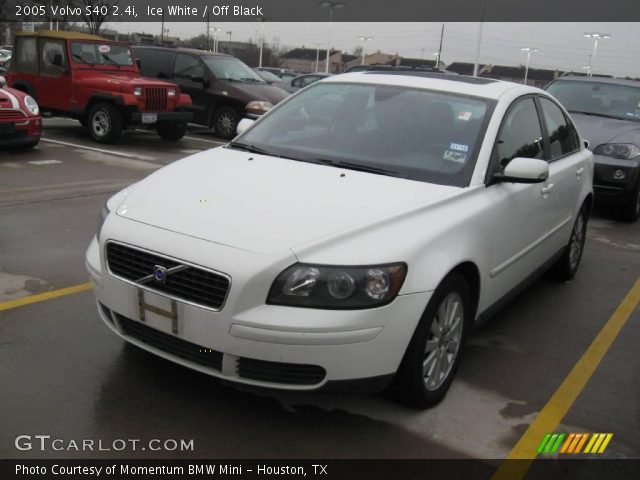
(100, 123)
(577, 241)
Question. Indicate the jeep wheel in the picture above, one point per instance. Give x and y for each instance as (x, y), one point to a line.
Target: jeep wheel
(433, 355)
(225, 122)
(105, 123)
(172, 130)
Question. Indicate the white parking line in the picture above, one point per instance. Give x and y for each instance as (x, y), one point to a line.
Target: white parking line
(93, 149)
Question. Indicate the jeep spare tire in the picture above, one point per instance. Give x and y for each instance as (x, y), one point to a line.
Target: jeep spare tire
(105, 123)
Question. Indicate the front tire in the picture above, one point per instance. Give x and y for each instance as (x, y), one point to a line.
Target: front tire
(225, 122)
(433, 356)
(172, 131)
(631, 210)
(567, 266)
(105, 123)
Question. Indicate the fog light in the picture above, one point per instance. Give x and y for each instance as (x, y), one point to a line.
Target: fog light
(619, 175)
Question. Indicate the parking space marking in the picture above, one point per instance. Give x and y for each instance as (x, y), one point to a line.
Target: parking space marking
(93, 149)
(41, 297)
(559, 404)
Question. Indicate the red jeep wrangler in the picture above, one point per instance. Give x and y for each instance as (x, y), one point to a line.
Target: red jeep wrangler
(97, 82)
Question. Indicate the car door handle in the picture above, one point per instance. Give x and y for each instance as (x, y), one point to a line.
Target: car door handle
(546, 190)
(579, 172)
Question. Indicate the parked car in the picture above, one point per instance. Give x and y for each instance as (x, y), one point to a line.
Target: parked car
(270, 78)
(20, 120)
(223, 89)
(283, 73)
(7, 47)
(312, 251)
(607, 113)
(97, 82)
(5, 68)
(302, 81)
(5, 56)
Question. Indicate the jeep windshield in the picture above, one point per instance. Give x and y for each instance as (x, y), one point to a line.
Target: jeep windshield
(231, 69)
(418, 134)
(598, 98)
(95, 53)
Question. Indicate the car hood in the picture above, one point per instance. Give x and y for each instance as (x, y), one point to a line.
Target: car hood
(114, 79)
(598, 130)
(11, 98)
(253, 91)
(266, 204)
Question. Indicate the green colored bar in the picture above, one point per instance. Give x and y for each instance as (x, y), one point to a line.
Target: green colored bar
(558, 443)
(544, 442)
(552, 440)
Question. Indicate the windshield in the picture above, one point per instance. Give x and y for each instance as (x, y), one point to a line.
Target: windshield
(417, 134)
(231, 69)
(268, 76)
(94, 53)
(611, 100)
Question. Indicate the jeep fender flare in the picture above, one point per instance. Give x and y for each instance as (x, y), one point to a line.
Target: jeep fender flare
(100, 98)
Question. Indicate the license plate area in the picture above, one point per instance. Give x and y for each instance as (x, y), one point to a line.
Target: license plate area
(149, 118)
(171, 314)
(7, 127)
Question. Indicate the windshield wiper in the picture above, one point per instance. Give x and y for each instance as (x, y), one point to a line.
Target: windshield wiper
(596, 114)
(113, 62)
(75, 55)
(249, 148)
(252, 80)
(359, 167)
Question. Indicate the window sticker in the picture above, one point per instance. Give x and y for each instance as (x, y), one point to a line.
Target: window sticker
(465, 116)
(454, 156)
(459, 147)
(104, 48)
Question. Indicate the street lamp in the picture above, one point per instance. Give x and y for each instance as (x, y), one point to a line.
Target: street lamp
(262, 20)
(215, 37)
(330, 6)
(364, 41)
(588, 69)
(595, 36)
(318, 45)
(229, 44)
(528, 51)
(437, 54)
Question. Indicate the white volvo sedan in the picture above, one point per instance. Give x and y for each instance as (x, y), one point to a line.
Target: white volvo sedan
(356, 233)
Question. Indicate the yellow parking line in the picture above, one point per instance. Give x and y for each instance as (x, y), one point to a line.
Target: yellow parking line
(41, 297)
(564, 397)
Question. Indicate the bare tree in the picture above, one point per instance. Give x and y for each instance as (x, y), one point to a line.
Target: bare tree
(100, 11)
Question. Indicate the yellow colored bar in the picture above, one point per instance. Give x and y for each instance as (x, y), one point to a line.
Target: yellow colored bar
(592, 442)
(596, 446)
(567, 442)
(607, 439)
(564, 397)
(41, 297)
(582, 442)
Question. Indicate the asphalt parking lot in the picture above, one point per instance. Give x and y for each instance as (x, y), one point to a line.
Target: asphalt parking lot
(63, 373)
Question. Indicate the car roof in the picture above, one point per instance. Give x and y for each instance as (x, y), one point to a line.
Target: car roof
(609, 80)
(63, 35)
(460, 84)
(194, 51)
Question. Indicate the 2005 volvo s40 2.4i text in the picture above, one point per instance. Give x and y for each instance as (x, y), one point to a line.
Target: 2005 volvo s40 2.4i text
(357, 232)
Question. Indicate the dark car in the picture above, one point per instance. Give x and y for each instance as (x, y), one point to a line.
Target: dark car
(222, 88)
(283, 73)
(302, 81)
(270, 78)
(607, 113)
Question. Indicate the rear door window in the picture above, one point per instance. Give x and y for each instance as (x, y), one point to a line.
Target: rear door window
(26, 55)
(54, 59)
(563, 138)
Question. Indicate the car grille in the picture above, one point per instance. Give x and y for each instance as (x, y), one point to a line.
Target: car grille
(192, 284)
(6, 113)
(156, 98)
(276, 372)
(170, 344)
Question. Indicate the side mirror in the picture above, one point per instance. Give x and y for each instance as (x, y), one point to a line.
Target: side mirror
(198, 79)
(57, 60)
(586, 144)
(244, 125)
(524, 170)
(3, 82)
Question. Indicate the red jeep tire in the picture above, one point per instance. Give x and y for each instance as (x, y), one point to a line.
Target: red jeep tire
(105, 123)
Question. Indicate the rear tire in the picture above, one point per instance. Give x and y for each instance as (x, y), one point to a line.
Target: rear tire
(173, 130)
(433, 356)
(567, 266)
(105, 123)
(225, 122)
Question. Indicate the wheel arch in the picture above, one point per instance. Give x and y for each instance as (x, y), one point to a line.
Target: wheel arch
(470, 272)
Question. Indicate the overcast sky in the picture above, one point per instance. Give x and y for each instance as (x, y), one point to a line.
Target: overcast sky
(562, 45)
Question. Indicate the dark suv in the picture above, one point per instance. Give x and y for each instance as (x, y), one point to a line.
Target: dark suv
(222, 88)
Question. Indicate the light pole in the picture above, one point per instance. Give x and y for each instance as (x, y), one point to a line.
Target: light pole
(364, 41)
(437, 54)
(529, 51)
(318, 45)
(595, 36)
(476, 65)
(215, 37)
(262, 19)
(229, 44)
(588, 69)
(330, 5)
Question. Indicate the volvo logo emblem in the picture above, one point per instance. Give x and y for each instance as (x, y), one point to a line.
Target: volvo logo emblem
(159, 273)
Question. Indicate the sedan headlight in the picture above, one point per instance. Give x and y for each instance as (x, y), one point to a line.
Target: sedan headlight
(104, 213)
(171, 92)
(258, 107)
(137, 91)
(329, 287)
(626, 151)
(31, 105)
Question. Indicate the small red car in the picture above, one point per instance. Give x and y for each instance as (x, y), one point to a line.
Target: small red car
(20, 120)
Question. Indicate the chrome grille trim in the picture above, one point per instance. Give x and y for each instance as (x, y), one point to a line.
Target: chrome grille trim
(188, 288)
(155, 98)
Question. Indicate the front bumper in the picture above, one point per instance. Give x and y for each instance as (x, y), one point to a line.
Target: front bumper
(136, 117)
(256, 344)
(606, 184)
